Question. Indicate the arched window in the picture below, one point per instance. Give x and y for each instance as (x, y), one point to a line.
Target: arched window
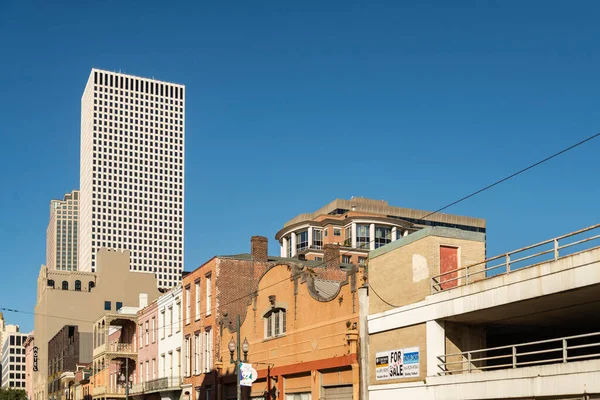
(51, 283)
(91, 285)
(65, 285)
(275, 323)
(78, 286)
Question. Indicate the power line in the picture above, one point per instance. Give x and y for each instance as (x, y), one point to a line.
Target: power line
(336, 256)
(491, 186)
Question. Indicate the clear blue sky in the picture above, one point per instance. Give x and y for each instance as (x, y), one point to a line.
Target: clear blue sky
(292, 104)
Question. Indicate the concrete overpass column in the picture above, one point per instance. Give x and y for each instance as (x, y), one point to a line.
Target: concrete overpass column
(436, 345)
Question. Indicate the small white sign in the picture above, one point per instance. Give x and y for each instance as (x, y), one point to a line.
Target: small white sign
(247, 374)
(397, 364)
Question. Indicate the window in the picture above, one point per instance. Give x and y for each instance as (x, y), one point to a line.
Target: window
(91, 285)
(362, 260)
(107, 306)
(347, 259)
(208, 294)
(141, 335)
(398, 233)
(301, 241)
(275, 323)
(197, 297)
(290, 249)
(179, 316)
(197, 348)
(153, 330)
(362, 236)
(337, 232)
(383, 236)
(170, 321)
(65, 285)
(51, 283)
(208, 350)
(298, 396)
(188, 360)
(119, 305)
(188, 305)
(147, 334)
(317, 238)
(78, 286)
(163, 320)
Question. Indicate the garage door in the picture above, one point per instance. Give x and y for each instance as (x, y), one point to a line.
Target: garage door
(338, 392)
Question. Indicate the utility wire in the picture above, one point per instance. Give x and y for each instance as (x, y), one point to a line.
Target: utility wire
(491, 186)
(325, 261)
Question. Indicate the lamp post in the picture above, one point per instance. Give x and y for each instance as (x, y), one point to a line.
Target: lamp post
(124, 379)
(233, 346)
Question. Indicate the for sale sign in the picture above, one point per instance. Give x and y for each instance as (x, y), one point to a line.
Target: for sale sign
(397, 364)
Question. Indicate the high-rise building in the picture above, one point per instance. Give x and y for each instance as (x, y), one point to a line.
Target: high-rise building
(13, 361)
(132, 169)
(61, 235)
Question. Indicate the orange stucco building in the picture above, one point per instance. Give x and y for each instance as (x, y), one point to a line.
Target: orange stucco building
(301, 325)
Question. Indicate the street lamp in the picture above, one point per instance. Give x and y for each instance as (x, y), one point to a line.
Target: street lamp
(233, 346)
(124, 379)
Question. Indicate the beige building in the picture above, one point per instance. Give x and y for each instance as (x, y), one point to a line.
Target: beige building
(131, 173)
(360, 225)
(447, 323)
(61, 235)
(79, 298)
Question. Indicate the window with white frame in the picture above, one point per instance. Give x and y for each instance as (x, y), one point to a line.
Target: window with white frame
(363, 236)
(153, 329)
(197, 349)
(317, 238)
(170, 320)
(208, 350)
(208, 294)
(188, 358)
(147, 333)
(298, 396)
(179, 315)
(154, 368)
(197, 298)
(188, 305)
(337, 231)
(275, 323)
(301, 241)
(162, 322)
(141, 335)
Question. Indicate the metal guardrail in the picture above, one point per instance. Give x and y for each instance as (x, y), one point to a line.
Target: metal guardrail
(560, 350)
(155, 385)
(548, 250)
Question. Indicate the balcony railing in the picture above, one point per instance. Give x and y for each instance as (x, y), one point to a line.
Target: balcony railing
(155, 385)
(549, 250)
(120, 348)
(551, 351)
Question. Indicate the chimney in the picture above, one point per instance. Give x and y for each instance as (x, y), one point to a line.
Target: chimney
(260, 248)
(331, 255)
(143, 300)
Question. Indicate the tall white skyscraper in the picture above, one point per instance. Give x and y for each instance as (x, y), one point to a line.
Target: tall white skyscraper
(132, 173)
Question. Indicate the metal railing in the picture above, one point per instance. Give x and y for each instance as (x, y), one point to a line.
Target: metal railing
(551, 351)
(548, 250)
(121, 347)
(167, 383)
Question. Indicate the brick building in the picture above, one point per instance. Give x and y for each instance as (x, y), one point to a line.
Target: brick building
(214, 294)
(63, 357)
(360, 225)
